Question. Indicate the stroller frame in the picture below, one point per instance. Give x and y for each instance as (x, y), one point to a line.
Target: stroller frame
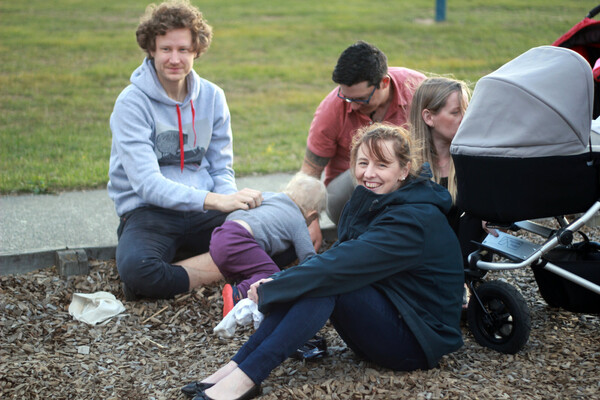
(497, 314)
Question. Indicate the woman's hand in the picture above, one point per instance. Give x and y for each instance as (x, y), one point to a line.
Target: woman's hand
(491, 231)
(253, 291)
(316, 236)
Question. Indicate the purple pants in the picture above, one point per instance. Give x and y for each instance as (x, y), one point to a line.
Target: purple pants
(239, 257)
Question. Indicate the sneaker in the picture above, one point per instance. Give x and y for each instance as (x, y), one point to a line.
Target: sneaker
(231, 296)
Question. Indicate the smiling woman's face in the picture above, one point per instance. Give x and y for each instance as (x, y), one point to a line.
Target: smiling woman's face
(379, 176)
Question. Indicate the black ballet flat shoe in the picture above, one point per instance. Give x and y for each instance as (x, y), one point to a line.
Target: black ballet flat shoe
(195, 388)
(253, 392)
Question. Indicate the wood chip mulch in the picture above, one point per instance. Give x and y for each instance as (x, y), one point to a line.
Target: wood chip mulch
(155, 347)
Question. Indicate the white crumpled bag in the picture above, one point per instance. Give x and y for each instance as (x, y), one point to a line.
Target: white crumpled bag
(93, 308)
(243, 313)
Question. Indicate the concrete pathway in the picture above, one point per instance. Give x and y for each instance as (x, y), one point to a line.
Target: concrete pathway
(34, 227)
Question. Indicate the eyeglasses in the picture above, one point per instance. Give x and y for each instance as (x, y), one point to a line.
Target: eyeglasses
(361, 101)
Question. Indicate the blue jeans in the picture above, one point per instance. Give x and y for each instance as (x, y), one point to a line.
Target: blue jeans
(149, 239)
(365, 319)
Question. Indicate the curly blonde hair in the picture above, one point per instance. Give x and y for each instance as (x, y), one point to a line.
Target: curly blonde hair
(175, 14)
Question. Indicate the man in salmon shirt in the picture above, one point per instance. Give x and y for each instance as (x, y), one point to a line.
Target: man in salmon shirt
(367, 92)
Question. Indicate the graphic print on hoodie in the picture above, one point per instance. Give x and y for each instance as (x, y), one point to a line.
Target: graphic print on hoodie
(167, 143)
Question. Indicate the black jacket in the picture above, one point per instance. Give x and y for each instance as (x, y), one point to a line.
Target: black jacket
(401, 244)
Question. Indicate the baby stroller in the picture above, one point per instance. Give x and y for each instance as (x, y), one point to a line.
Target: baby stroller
(524, 152)
(584, 38)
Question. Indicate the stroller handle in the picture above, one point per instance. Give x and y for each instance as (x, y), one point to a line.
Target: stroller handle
(593, 12)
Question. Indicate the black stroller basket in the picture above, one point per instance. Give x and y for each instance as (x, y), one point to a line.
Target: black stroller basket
(581, 259)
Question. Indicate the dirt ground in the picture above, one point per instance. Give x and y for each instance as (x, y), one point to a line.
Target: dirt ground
(155, 347)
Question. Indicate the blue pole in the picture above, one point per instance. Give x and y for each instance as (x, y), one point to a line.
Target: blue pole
(440, 10)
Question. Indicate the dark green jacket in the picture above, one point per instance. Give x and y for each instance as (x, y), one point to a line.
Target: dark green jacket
(401, 244)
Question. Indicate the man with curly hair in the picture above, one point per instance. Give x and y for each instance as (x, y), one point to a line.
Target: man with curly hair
(171, 175)
(367, 92)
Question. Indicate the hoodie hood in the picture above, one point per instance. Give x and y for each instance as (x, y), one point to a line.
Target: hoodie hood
(417, 190)
(421, 190)
(145, 79)
(364, 206)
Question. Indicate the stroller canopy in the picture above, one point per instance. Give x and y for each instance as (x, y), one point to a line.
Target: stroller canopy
(584, 38)
(537, 105)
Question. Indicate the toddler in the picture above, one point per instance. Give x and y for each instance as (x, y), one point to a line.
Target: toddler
(242, 247)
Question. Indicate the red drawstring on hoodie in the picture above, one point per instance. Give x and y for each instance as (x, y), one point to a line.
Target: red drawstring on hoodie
(181, 151)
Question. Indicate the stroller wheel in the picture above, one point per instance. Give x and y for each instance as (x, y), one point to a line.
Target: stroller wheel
(498, 317)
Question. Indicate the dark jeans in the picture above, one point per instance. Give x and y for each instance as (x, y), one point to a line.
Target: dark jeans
(365, 319)
(149, 239)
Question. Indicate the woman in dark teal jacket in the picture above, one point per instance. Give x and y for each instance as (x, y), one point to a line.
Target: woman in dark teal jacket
(392, 284)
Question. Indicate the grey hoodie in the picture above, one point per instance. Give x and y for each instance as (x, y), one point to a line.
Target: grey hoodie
(147, 166)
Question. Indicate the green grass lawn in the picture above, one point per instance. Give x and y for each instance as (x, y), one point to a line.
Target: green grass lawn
(64, 62)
